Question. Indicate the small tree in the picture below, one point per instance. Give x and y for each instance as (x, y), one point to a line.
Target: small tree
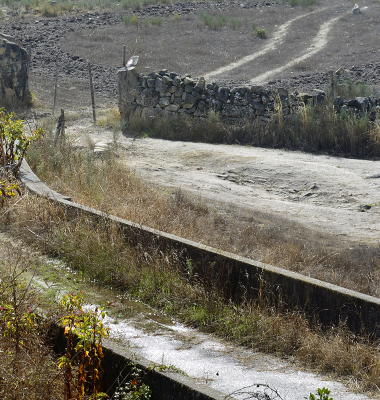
(87, 330)
(14, 144)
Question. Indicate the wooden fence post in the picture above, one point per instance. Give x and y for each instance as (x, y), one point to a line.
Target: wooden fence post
(60, 127)
(92, 93)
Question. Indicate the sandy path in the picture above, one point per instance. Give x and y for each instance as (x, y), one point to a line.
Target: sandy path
(271, 45)
(319, 42)
(323, 193)
(320, 192)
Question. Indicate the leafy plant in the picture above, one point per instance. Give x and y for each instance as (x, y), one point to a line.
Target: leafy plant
(87, 353)
(14, 142)
(16, 315)
(322, 393)
(135, 389)
(8, 189)
(26, 362)
(260, 32)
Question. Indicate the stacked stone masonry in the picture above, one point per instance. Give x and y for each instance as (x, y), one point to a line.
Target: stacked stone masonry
(168, 94)
(13, 71)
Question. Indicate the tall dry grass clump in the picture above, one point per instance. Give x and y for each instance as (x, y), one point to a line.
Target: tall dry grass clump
(312, 128)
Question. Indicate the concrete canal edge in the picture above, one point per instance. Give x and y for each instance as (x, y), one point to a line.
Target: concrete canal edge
(237, 276)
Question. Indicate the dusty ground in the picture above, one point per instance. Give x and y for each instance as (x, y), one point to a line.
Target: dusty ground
(327, 195)
(335, 199)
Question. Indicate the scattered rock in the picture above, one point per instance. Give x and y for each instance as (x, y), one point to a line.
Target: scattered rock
(356, 9)
(283, 92)
(312, 186)
(374, 176)
(340, 71)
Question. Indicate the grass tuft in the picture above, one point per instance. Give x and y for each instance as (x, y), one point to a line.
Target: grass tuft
(212, 22)
(157, 21)
(131, 20)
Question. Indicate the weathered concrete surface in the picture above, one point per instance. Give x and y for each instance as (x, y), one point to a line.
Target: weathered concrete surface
(238, 276)
(119, 361)
(13, 71)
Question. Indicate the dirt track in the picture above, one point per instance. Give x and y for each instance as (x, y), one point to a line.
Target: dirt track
(322, 193)
(337, 200)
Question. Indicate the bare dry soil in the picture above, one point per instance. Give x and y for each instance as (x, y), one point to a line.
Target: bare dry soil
(321, 194)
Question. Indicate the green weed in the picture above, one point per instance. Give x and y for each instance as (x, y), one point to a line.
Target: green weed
(14, 144)
(131, 20)
(212, 22)
(157, 21)
(235, 23)
(349, 89)
(50, 10)
(323, 394)
(260, 32)
(84, 332)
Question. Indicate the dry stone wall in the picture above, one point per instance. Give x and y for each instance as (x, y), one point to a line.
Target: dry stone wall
(171, 95)
(13, 71)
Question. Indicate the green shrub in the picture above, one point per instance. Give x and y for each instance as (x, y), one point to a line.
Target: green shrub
(260, 32)
(135, 4)
(323, 394)
(349, 89)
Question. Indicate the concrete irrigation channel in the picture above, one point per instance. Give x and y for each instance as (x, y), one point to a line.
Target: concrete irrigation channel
(220, 368)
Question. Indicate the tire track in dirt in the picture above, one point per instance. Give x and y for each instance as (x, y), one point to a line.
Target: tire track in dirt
(319, 42)
(272, 45)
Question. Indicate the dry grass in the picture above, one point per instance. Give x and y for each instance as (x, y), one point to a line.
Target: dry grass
(99, 252)
(312, 129)
(106, 184)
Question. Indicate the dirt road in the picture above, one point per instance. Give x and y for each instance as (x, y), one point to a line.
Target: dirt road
(335, 196)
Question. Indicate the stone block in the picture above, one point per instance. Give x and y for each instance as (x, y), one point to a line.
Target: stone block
(148, 98)
(172, 107)
(14, 71)
(223, 94)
